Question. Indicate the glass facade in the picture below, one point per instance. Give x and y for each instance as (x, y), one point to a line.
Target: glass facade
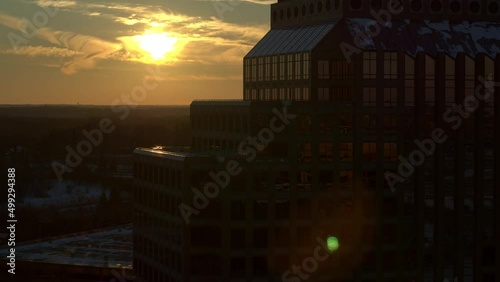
(291, 67)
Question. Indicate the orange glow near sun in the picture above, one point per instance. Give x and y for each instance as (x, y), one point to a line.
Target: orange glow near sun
(157, 45)
(152, 47)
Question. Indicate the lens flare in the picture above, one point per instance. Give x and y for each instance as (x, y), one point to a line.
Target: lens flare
(333, 243)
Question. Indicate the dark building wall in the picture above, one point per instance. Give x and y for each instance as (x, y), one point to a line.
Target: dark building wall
(286, 14)
(325, 174)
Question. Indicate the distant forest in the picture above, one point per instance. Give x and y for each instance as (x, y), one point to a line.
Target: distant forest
(46, 130)
(32, 137)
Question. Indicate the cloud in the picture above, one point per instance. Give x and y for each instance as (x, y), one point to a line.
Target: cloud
(261, 2)
(206, 41)
(91, 48)
(37, 51)
(202, 39)
(55, 4)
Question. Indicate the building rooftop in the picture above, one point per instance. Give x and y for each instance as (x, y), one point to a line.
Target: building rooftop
(179, 153)
(290, 40)
(111, 247)
(237, 102)
(431, 37)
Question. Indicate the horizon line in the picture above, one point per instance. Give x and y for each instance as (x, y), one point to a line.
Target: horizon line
(94, 105)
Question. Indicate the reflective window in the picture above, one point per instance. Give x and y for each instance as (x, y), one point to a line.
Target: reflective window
(369, 151)
(290, 67)
(370, 123)
(274, 94)
(326, 183)
(305, 65)
(369, 97)
(305, 94)
(409, 94)
(267, 94)
(449, 82)
(346, 179)
(282, 68)
(469, 78)
(390, 97)
(267, 73)
(323, 94)
(254, 94)
(390, 151)
(346, 123)
(254, 69)
(323, 69)
(297, 94)
(390, 123)
(282, 94)
(325, 125)
(370, 65)
(247, 70)
(390, 65)
(274, 72)
(341, 70)
(346, 151)
(260, 71)
(341, 94)
(325, 151)
(430, 88)
(304, 153)
(298, 69)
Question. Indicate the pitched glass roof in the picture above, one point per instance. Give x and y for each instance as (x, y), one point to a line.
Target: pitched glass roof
(295, 40)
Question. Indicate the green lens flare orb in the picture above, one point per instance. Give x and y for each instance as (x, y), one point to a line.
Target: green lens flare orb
(332, 243)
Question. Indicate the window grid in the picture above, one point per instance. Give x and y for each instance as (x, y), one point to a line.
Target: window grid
(298, 69)
(290, 67)
(370, 97)
(323, 69)
(260, 71)
(390, 65)
(370, 65)
(369, 151)
(390, 97)
(282, 63)
(305, 66)
(390, 151)
(323, 94)
(342, 70)
(274, 75)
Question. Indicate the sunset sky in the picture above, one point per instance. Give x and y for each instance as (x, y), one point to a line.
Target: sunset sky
(94, 51)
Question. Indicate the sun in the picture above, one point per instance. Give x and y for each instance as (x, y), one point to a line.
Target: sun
(157, 44)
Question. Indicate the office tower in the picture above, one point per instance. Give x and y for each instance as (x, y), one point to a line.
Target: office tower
(345, 131)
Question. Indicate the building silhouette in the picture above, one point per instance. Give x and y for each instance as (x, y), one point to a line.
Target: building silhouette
(345, 131)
